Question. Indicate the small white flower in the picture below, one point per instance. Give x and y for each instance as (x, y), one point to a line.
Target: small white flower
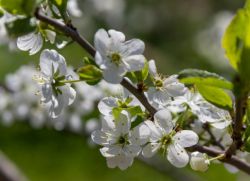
(206, 112)
(164, 138)
(164, 88)
(120, 143)
(107, 104)
(199, 162)
(31, 42)
(58, 95)
(115, 56)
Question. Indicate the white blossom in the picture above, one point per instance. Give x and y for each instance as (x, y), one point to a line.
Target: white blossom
(164, 88)
(205, 111)
(115, 56)
(120, 143)
(164, 138)
(55, 93)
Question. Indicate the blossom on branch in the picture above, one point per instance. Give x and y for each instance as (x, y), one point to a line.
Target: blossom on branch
(115, 56)
(53, 80)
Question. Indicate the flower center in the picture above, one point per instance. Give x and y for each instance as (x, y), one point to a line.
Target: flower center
(158, 83)
(115, 58)
(123, 140)
(165, 140)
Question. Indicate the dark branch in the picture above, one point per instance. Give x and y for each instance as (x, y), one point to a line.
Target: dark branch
(72, 32)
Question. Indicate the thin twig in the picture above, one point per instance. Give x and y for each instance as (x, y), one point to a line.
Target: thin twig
(72, 32)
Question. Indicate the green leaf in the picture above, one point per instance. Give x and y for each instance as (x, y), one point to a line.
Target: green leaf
(195, 76)
(216, 96)
(20, 7)
(137, 121)
(90, 73)
(135, 110)
(20, 27)
(237, 36)
(143, 74)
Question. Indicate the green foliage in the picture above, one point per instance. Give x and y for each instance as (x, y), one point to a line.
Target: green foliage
(143, 74)
(20, 7)
(20, 27)
(216, 96)
(236, 42)
(90, 73)
(195, 76)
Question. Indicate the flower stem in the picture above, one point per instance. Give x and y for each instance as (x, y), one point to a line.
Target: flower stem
(219, 157)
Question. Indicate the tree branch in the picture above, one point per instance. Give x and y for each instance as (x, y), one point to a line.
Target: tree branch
(240, 110)
(72, 32)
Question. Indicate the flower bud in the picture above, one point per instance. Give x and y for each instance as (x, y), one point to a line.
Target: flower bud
(199, 162)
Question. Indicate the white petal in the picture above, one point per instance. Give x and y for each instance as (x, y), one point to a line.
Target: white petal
(150, 149)
(116, 35)
(57, 105)
(158, 96)
(177, 156)
(106, 105)
(101, 41)
(123, 123)
(108, 124)
(69, 94)
(111, 150)
(133, 47)
(114, 74)
(51, 36)
(135, 62)
(132, 150)
(140, 134)
(152, 67)
(47, 93)
(99, 137)
(163, 119)
(49, 59)
(121, 161)
(186, 138)
(174, 87)
(31, 42)
(221, 125)
(155, 133)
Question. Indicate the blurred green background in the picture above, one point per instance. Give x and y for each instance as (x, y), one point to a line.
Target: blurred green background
(174, 32)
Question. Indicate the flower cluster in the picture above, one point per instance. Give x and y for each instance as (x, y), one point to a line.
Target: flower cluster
(155, 114)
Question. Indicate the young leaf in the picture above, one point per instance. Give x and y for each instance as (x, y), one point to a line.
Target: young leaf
(143, 74)
(237, 36)
(90, 73)
(20, 7)
(20, 27)
(195, 76)
(216, 96)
